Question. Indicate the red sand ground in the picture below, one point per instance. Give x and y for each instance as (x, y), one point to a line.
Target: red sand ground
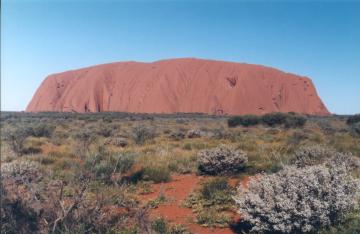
(178, 85)
(176, 192)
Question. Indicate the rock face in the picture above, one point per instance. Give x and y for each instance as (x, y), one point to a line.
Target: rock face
(178, 85)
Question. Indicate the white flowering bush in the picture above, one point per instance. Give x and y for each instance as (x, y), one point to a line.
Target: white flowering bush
(221, 161)
(311, 155)
(298, 200)
(317, 154)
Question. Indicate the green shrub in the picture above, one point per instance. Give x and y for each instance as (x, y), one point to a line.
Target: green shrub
(289, 120)
(355, 129)
(273, 119)
(245, 120)
(159, 226)
(233, 121)
(294, 121)
(353, 119)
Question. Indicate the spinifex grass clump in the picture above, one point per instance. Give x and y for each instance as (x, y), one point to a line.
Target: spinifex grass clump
(142, 134)
(216, 188)
(298, 200)
(157, 174)
(104, 165)
(223, 160)
(211, 202)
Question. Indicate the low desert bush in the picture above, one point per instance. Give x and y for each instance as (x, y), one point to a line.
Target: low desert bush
(349, 225)
(105, 130)
(159, 225)
(16, 138)
(41, 130)
(16, 217)
(296, 138)
(298, 200)
(317, 154)
(105, 165)
(294, 121)
(311, 155)
(220, 133)
(355, 129)
(222, 160)
(353, 119)
(19, 208)
(245, 120)
(142, 134)
(194, 133)
(233, 121)
(273, 119)
(42, 209)
(177, 135)
(326, 126)
(289, 120)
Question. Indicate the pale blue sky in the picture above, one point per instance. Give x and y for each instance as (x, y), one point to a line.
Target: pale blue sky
(320, 40)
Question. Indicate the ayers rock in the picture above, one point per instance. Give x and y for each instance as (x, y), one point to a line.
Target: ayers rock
(178, 85)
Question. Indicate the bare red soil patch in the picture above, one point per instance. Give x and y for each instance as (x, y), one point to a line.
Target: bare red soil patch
(177, 192)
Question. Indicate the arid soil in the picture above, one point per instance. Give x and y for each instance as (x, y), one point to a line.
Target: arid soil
(176, 192)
